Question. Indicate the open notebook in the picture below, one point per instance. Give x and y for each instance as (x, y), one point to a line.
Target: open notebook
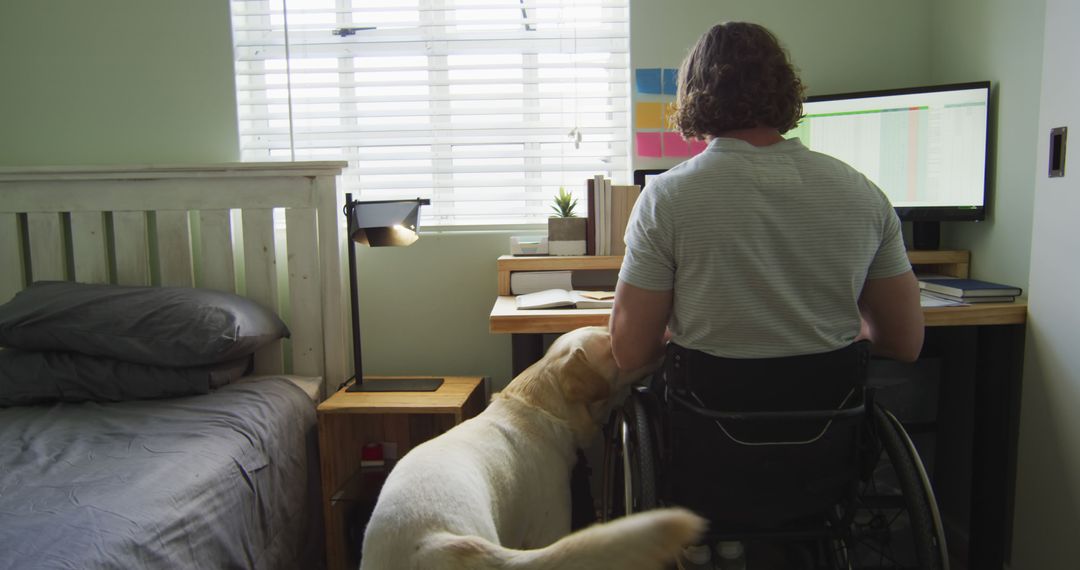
(561, 298)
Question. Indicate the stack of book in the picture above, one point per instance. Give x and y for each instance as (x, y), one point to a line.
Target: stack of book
(968, 290)
(609, 210)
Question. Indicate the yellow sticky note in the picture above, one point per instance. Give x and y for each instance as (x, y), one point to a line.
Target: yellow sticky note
(669, 110)
(649, 115)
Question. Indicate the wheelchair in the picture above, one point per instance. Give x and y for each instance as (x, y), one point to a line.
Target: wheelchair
(791, 455)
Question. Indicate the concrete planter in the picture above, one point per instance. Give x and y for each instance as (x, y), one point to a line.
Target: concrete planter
(566, 236)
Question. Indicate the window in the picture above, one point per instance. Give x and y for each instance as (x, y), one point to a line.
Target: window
(487, 107)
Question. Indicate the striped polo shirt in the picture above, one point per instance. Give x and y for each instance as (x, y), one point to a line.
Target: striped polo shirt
(766, 248)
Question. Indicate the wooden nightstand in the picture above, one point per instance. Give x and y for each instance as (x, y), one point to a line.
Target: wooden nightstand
(348, 420)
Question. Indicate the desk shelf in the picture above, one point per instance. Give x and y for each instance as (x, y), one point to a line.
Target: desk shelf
(508, 264)
(956, 263)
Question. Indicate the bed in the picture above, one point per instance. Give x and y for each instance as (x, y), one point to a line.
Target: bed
(226, 478)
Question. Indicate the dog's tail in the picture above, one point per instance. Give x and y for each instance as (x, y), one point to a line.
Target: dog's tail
(643, 541)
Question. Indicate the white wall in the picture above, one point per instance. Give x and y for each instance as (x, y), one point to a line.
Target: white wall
(1047, 523)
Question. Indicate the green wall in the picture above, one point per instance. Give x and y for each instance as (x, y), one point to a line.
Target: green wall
(116, 82)
(424, 308)
(1002, 41)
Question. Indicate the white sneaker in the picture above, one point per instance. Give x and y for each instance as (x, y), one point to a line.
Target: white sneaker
(730, 555)
(698, 557)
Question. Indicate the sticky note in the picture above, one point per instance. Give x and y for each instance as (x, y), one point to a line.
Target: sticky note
(648, 81)
(674, 145)
(649, 115)
(669, 110)
(670, 81)
(697, 147)
(648, 144)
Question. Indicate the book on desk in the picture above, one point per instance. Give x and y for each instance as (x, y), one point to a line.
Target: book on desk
(561, 299)
(968, 290)
(608, 213)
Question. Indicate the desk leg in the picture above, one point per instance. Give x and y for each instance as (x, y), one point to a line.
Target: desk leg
(527, 349)
(999, 370)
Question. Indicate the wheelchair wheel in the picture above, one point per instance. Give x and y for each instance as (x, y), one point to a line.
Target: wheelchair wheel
(895, 522)
(629, 471)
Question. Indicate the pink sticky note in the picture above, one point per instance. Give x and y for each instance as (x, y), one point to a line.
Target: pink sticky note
(674, 145)
(648, 144)
(697, 146)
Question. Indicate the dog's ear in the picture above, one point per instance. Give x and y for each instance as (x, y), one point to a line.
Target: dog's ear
(580, 381)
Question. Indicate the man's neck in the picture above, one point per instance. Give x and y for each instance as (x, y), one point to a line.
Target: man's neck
(757, 136)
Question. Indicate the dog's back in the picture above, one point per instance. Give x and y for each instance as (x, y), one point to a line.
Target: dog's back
(496, 476)
(501, 479)
(643, 541)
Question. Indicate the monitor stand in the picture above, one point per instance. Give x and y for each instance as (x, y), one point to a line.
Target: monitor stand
(925, 235)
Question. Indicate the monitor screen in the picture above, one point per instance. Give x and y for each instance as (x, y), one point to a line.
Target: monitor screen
(643, 177)
(925, 147)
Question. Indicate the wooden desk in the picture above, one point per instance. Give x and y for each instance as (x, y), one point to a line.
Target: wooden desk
(994, 330)
(348, 420)
(506, 318)
(525, 326)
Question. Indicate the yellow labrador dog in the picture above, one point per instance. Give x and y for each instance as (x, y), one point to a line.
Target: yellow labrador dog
(493, 492)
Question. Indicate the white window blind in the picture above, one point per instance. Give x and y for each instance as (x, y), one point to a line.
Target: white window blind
(487, 107)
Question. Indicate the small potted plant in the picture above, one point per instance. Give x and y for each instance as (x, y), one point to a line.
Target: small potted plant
(566, 231)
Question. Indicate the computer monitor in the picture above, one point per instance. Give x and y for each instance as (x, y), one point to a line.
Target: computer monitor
(925, 147)
(643, 177)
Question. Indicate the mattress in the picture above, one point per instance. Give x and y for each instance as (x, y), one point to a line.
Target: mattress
(223, 480)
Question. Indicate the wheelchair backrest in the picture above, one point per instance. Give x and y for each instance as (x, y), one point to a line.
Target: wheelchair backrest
(757, 470)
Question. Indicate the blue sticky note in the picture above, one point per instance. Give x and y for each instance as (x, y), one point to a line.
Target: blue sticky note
(670, 81)
(648, 81)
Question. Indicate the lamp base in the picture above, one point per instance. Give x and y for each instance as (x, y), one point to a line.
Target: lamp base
(397, 385)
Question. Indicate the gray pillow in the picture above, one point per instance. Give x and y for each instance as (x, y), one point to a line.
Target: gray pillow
(159, 326)
(28, 378)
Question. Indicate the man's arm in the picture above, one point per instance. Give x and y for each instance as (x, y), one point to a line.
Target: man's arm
(892, 315)
(638, 325)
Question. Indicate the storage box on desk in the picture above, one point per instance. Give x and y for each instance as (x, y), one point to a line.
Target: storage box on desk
(522, 245)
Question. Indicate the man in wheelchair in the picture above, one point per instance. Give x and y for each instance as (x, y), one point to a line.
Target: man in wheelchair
(764, 275)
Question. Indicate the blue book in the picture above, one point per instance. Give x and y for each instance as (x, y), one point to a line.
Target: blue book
(968, 287)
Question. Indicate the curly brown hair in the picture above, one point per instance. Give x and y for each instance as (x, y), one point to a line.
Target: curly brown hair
(737, 76)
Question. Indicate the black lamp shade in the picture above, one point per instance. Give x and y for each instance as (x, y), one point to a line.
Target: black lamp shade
(384, 223)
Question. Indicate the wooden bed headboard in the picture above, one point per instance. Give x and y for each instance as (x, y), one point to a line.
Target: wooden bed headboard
(215, 226)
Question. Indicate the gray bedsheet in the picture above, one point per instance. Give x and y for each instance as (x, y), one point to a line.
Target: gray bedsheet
(223, 480)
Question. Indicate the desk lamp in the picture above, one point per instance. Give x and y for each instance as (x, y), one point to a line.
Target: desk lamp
(380, 223)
